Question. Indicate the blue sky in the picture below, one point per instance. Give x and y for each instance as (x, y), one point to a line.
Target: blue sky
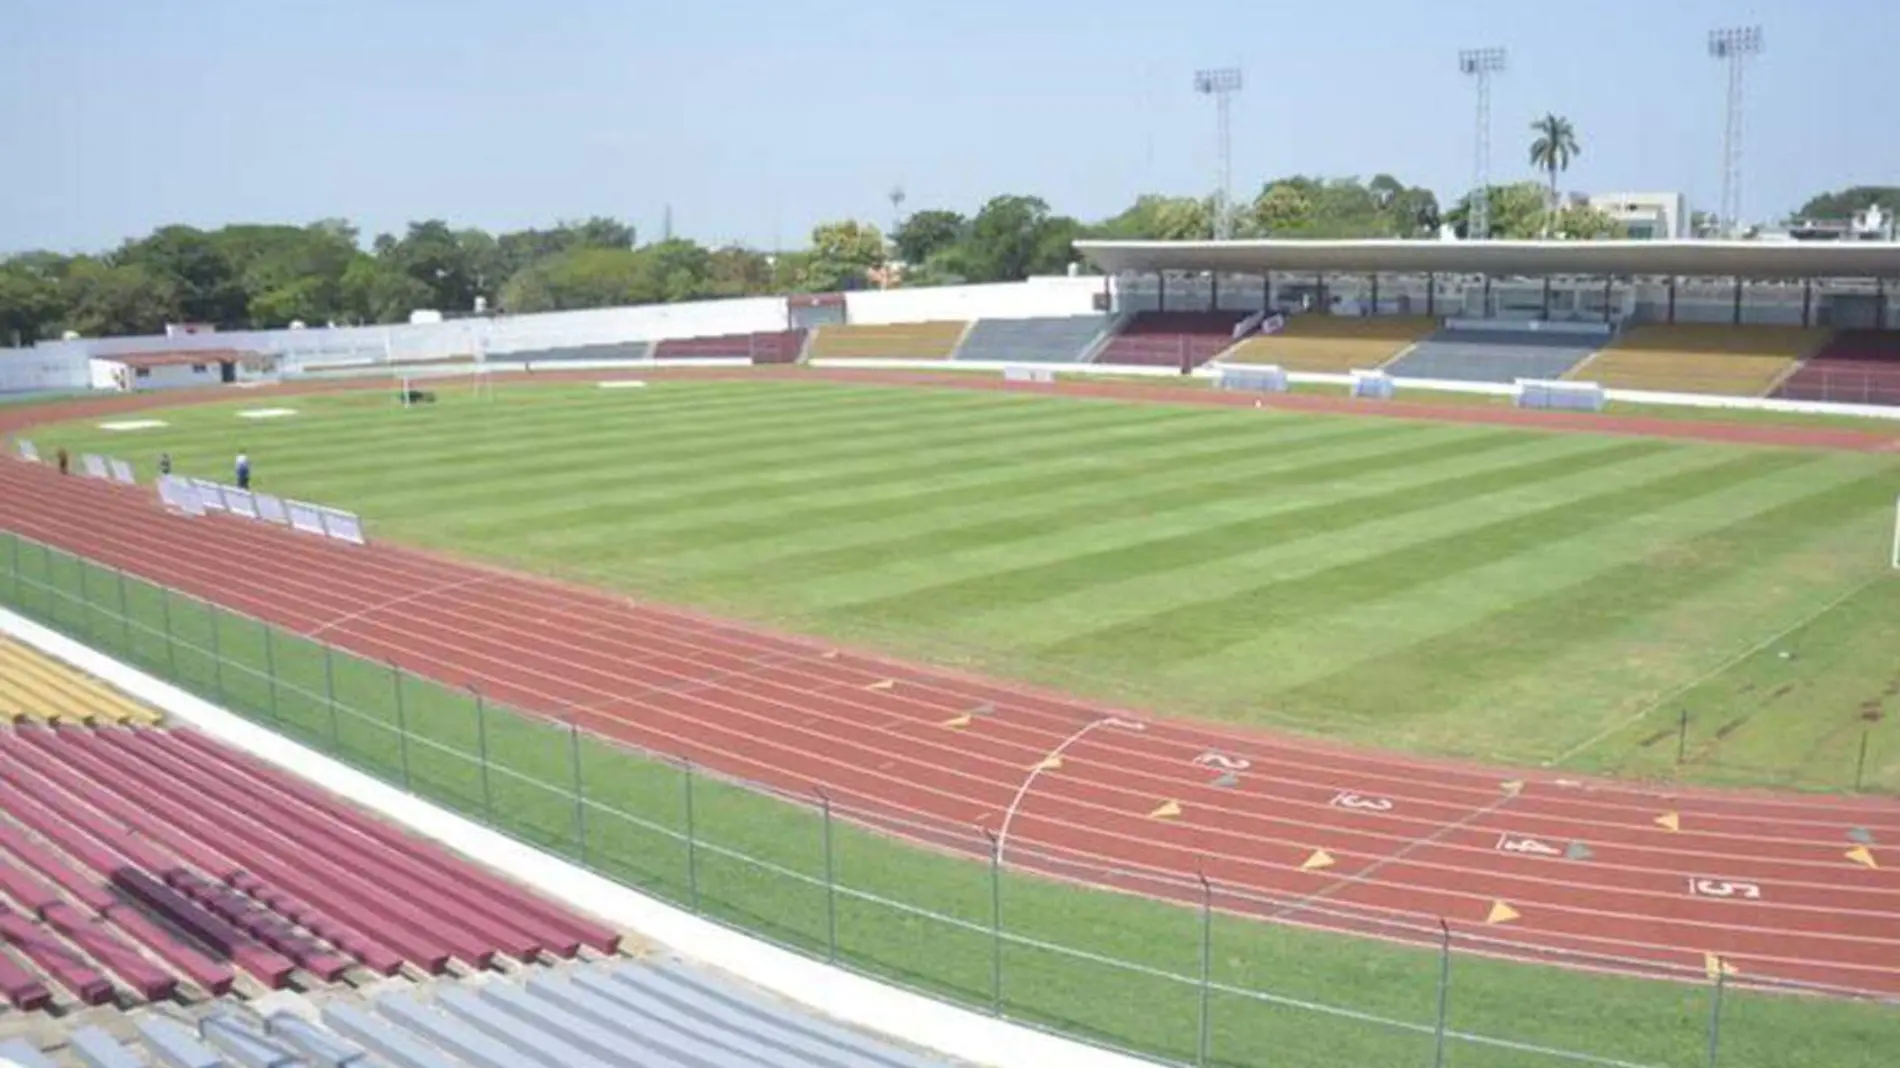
(756, 119)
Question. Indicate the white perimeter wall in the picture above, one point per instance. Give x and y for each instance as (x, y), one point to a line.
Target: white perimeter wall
(31, 370)
(1034, 299)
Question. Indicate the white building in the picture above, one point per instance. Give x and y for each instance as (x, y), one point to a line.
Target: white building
(129, 372)
(1646, 216)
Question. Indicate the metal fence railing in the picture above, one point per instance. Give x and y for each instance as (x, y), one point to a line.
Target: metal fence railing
(1204, 980)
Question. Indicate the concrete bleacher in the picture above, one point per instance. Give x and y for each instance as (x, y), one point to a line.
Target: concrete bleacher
(781, 346)
(1741, 361)
(1856, 367)
(35, 688)
(620, 1014)
(1064, 339)
(934, 340)
(619, 351)
(1333, 344)
(1494, 355)
(1170, 339)
(150, 864)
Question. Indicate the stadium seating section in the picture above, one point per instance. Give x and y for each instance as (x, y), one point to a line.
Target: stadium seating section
(1335, 344)
(612, 350)
(892, 341)
(1494, 356)
(1171, 339)
(778, 347)
(223, 871)
(1062, 339)
(1857, 367)
(617, 1014)
(1742, 361)
(36, 689)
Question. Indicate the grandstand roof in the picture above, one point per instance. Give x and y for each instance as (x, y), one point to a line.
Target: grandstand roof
(1720, 259)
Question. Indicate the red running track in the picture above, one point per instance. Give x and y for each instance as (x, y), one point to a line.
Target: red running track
(1414, 842)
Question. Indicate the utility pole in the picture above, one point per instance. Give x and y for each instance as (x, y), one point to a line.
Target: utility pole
(1734, 47)
(1480, 64)
(1222, 84)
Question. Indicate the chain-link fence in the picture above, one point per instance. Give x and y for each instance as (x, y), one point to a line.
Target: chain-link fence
(1203, 980)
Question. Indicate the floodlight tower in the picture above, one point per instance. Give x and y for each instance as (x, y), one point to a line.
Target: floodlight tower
(1734, 47)
(1481, 64)
(1221, 84)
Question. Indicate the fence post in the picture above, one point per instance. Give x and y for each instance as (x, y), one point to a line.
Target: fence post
(996, 924)
(402, 722)
(1715, 1014)
(46, 577)
(1444, 993)
(692, 843)
(481, 742)
(1682, 738)
(580, 799)
(217, 657)
(1860, 763)
(1203, 1033)
(831, 886)
(125, 619)
(270, 666)
(13, 555)
(171, 643)
(85, 600)
(329, 700)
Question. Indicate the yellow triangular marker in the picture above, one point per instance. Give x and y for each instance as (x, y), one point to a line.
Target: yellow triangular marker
(1048, 763)
(1501, 913)
(1167, 811)
(1862, 855)
(1714, 966)
(883, 684)
(1512, 787)
(1669, 821)
(1319, 859)
(958, 722)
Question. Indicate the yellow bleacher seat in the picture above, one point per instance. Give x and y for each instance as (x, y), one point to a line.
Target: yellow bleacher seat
(37, 687)
(1741, 361)
(891, 341)
(1332, 343)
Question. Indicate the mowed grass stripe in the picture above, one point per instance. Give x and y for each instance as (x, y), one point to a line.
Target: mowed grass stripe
(1195, 630)
(1538, 630)
(1026, 585)
(1361, 633)
(888, 480)
(925, 505)
(1091, 488)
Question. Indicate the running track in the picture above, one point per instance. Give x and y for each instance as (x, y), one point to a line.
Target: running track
(1411, 842)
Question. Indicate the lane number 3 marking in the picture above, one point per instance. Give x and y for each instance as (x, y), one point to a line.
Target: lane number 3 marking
(1725, 888)
(1348, 799)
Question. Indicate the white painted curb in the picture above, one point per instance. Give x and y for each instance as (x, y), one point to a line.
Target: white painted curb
(836, 993)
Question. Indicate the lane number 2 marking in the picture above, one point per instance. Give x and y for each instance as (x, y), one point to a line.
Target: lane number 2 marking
(1348, 799)
(1725, 888)
(1211, 759)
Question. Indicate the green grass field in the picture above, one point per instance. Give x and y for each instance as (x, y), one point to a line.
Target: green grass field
(1493, 593)
(1111, 967)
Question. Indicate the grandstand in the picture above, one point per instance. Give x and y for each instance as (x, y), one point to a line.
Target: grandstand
(1743, 361)
(1489, 355)
(34, 689)
(930, 340)
(1170, 339)
(613, 350)
(1056, 339)
(781, 346)
(1856, 367)
(1335, 344)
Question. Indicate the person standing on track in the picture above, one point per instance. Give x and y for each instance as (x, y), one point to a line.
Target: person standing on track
(243, 471)
(164, 463)
(65, 461)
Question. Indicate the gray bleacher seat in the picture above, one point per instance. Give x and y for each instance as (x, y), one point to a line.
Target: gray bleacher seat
(1494, 356)
(96, 1049)
(317, 1046)
(393, 1044)
(244, 1043)
(1054, 340)
(17, 1051)
(611, 350)
(172, 1043)
(527, 1043)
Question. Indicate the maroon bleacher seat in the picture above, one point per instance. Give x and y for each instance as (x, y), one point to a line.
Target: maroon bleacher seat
(1856, 367)
(781, 346)
(1171, 339)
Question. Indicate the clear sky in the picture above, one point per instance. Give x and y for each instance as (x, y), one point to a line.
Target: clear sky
(756, 119)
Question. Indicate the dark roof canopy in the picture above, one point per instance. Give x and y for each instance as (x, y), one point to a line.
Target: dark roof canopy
(1718, 259)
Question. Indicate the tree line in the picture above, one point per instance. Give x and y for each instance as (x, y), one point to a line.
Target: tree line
(270, 276)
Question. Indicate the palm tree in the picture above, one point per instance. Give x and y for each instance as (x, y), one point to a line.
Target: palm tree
(1555, 147)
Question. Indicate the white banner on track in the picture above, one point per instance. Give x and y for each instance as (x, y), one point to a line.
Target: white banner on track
(28, 451)
(343, 526)
(180, 494)
(239, 502)
(271, 509)
(210, 494)
(122, 473)
(94, 465)
(307, 518)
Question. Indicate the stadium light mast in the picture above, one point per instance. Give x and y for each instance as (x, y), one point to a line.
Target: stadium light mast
(1480, 64)
(1221, 84)
(1734, 47)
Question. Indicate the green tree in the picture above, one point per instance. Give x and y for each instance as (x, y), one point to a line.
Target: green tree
(373, 290)
(581, 278)
(434, 255)
(1551, 152)
(1014, 237)
(1842, 205)
(1154, 217)
(1516, 210)
(202, 278)
(30, 304)
(738, 272)
(290, 273)
(926, 233)
(672, 271)
(841, 253)
(102, 299)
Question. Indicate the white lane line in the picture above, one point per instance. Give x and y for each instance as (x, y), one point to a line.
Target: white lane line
(395, 601)
(1009, 814)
